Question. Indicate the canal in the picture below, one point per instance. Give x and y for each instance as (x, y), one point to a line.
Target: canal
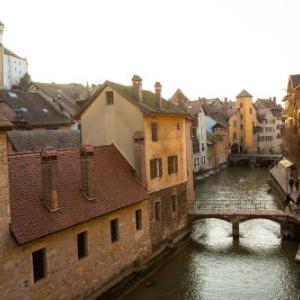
(211, 265)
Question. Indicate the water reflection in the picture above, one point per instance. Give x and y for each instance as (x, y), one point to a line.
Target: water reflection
(213, 265)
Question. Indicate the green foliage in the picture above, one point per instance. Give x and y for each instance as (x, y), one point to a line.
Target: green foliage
(25, 82)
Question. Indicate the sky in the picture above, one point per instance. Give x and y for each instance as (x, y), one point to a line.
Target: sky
(207, 48)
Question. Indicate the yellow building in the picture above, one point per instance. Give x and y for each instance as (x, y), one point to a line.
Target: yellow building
(154, 136)
(242, 122)
(292, 103)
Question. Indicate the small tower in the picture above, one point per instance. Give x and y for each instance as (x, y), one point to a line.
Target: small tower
(1, 56)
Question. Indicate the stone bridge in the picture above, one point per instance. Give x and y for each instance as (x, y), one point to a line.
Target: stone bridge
(238, 211)
(254, 158)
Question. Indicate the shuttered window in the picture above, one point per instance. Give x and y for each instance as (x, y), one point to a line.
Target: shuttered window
(172, 164)
(155, 168)
(154, 132)
(39, 264)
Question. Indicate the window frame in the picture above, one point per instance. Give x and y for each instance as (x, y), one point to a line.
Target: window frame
(109, 97)
(172, 164)
(154, 131)
(156, 168)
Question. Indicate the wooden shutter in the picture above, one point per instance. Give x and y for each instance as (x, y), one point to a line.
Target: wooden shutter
(152, 168)
(170, 165)
(176, 164)
(160, 167)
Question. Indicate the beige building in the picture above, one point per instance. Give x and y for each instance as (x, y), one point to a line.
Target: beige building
(154, 136)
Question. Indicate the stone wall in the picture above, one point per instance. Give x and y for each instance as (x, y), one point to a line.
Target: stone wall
(68, 277)
(171, 222)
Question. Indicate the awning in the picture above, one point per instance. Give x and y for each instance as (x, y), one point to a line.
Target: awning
(286, 163)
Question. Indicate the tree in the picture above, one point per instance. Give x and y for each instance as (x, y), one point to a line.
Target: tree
(25, 82)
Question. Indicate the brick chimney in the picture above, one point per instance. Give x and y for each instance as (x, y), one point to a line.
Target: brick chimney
(137, 86)
(139, 157)
(49, 178)
(87, 171)
(157, 87)
(274, 101)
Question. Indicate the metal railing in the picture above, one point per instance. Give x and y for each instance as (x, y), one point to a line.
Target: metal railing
(234, 205)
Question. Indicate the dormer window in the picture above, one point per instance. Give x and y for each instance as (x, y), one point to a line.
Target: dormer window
(109, 98)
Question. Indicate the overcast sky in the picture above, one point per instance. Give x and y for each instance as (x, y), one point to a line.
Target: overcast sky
(211, 48)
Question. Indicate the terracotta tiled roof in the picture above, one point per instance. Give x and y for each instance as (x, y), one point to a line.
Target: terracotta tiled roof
(116, 187)
(30, 108)
(244, 93)
(147, 105)
(36, 140)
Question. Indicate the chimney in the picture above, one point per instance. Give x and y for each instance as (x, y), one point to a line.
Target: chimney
(49, 178)
(274, 101)
(137, 86)
(87, 171)
(139, 157)
(157, 87)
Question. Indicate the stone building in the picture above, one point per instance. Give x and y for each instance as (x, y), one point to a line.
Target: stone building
(72, 222)
(154, 135)
(12, 66)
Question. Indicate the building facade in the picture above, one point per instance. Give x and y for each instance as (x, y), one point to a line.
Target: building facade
(12, 66)
(68, 227)
(242, 122)
(154, 136)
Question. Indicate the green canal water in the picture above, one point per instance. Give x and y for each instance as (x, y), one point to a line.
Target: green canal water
(212, 265)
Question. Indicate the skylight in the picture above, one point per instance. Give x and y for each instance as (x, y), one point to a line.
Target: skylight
(12, 95)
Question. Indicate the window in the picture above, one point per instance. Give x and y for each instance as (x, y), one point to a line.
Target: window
(174, 203)
(114, 230)
(109, 98)
(250, 111)
(154, 132)
(234, 136)
(157, 211)
(241, 117)
(234, 123)
(172, 164)
(178, 126)
(138, 219)
(155, 168)
(242, 127)
(82, 244)
(194, 132)
(39, 264)
(241, 105)
(202, 147)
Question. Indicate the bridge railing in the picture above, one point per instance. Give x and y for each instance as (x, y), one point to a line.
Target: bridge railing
(234, 205)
